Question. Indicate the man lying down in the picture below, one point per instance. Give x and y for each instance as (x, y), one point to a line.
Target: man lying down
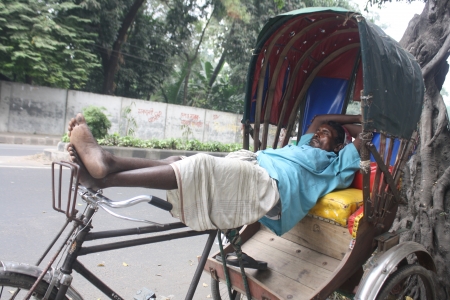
(276, 187)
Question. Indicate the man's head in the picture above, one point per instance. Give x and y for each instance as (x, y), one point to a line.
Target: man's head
(329, 137)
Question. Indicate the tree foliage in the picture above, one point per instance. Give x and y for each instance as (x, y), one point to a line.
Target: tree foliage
(178, 51)
(40, 42)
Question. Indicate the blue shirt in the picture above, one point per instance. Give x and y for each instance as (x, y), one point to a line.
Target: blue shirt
(304, 174)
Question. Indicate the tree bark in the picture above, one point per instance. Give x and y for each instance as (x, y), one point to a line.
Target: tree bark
(110, 67)
(427, 175)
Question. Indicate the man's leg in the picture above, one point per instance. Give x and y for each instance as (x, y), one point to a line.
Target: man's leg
(98, 162)
(159, 177)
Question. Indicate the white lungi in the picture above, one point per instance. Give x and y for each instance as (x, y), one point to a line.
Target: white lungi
(221, 193)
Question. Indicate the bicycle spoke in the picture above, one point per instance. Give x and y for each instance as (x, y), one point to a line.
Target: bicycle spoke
(15, 294)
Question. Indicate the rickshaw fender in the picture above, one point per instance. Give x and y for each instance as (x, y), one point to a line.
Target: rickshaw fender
(386, 264)
(34, 271)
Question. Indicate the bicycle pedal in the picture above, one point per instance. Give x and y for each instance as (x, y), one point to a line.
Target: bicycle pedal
(144, 294)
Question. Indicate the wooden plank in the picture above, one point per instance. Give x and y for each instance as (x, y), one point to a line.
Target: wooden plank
(295, 250)
(320, 236)
(283, 263)
(257, 289)
(285, 287)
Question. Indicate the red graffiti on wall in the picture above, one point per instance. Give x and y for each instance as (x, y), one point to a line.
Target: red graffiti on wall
(153, 115)
(191, 120)
(215, 117)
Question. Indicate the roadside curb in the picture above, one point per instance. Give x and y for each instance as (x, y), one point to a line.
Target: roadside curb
(17, 138)
(60, 153)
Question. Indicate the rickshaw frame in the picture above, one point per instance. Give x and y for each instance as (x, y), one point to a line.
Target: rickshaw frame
(384, 78)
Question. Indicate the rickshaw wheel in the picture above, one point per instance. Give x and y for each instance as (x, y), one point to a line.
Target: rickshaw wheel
(412, 282)
(219, 291)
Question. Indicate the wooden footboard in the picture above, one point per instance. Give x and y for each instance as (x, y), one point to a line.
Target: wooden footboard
(299, 262)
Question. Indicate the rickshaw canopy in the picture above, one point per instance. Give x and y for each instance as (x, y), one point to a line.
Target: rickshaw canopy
(331, 55)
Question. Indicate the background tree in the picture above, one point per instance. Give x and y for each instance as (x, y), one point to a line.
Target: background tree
(41, 42)
(427, 175)
(226, 44)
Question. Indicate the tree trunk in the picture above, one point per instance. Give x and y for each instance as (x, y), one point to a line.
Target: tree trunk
(427, 174)
(222, 57)
(191, 60)
(111, 65)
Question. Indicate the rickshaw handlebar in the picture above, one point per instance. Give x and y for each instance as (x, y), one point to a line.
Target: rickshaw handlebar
(96, 198)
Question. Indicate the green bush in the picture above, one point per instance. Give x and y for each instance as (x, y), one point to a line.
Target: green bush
(171, 144)
(97, 121)
(65, 138)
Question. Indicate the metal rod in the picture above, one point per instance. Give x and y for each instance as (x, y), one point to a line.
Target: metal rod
(30, 292)
(201, 265)
(224, 264)
(83, 271)
(137, 242)
(50, 246)
(131, 231)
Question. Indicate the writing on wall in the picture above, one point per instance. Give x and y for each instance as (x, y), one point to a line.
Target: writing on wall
(151, 114)
(191, 120)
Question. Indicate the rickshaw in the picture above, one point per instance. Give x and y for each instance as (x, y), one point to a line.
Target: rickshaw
(327, 61)
(306, 62)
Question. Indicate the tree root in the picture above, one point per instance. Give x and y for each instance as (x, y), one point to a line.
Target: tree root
(442, 54)
(442, 119)
(440, 188)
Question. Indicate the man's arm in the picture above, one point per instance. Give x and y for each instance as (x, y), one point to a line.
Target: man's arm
(348, 121)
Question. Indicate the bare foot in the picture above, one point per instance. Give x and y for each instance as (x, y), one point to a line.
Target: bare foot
(72, 153)
(86, 179)
(79, 119)
(88, 152)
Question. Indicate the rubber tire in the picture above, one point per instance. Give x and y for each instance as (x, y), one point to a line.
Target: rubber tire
(219, 291)
(24, 282)
(404, 272)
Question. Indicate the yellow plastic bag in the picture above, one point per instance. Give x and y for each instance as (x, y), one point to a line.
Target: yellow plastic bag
(337, 206)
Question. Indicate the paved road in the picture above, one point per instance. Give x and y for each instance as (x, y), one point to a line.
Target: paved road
(21, 150)
(28, 223)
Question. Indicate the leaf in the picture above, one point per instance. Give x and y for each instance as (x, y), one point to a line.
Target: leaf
(101, 265)
(125, 264)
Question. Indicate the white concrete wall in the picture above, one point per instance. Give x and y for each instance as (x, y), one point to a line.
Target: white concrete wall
(150, 118)
(41, 110)
(221, 126)
(185, 122)
(34, 109)
(5, 96)
(77, 100)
